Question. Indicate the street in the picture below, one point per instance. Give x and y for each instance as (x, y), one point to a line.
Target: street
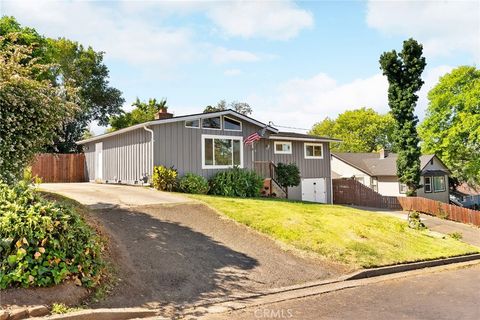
(453, 294)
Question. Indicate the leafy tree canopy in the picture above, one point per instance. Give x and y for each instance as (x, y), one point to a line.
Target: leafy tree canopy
(142, 112)
(31, 109)
(403, 71)
(79, 66)
(451, 128)
(361, 130)
(240, 107)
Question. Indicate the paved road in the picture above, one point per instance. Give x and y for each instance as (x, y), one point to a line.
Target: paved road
(98, 196)
(453, 294)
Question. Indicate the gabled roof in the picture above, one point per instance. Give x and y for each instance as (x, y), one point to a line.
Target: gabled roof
(371, 163)
(181, 118)
(300, 137)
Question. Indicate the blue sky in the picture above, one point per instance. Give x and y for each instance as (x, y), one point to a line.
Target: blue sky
(295, 63)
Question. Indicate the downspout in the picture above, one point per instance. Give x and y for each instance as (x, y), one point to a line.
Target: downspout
(153, 142)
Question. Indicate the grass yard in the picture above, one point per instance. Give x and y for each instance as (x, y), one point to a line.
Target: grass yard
(354, 237)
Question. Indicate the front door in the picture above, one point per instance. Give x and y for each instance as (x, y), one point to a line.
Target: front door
(99, 161)
(314, 190)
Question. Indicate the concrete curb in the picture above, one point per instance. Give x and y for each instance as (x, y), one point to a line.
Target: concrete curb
(321, 287)
(105, 314)
(411, 266)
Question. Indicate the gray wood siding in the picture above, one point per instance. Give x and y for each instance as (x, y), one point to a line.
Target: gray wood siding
(181, 147)
(309, 168)
(126, 157)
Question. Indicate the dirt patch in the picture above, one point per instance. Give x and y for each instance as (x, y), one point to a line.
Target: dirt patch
(67, 293)
(179, 255)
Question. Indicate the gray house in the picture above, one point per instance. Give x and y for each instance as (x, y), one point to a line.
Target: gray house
(206, 143)
(379, 172)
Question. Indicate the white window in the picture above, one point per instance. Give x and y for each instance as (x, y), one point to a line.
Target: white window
(374, 184)
(313, 151)
(192, 123)
(282, 147)
(212, 123)
(221, 152)
(230, 124)
(427, 184)
(439, 184)
(403, 188)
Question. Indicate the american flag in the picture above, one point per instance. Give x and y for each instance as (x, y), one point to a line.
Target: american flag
(255, 136)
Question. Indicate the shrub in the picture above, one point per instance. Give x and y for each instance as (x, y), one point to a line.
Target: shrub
(164, 178)
(415, 222)
(456, 235)
(43, 242)
(193, 183)
(236, 182)
(288, 175)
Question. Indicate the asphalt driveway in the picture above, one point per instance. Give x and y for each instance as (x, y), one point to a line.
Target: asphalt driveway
(178, 252)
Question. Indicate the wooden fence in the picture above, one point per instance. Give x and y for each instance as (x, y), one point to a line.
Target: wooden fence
(52, 167)
(439, 209)
(350, 191)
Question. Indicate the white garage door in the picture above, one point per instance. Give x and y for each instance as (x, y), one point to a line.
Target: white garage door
(314, 190)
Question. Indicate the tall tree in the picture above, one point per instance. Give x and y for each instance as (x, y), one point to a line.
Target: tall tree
(240, 107)
(403, 71)
(142, 112)
(451, 128)
(31, 109)
(73, 64)
(361, 130)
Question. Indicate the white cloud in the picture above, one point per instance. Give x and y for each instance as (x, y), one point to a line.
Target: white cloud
(278, 20)
(302, 102)
(232, 72)
(224, 55)
(442, 26)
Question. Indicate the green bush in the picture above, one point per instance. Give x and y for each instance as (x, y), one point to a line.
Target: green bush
(164, 178)
(43, 243)
(236, 182)
(288, 175)
(193, 183)
(415, 222)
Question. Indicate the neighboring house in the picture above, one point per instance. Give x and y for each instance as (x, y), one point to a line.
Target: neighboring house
(466, 196)
(204, 144)
(379, 172)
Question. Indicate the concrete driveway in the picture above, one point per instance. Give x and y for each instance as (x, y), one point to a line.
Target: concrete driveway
(98, 196)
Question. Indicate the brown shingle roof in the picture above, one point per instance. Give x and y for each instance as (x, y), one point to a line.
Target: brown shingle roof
(371, 164)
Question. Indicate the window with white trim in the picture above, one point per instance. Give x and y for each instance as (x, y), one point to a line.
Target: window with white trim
(282, 147)
(192, 123)
(212, 123)
(230, 124)
(313, 151)
(221, 152)
(427, 184)
(439, 184)
(403, 188)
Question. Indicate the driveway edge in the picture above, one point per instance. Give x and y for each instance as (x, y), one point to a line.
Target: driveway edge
(320, 287)
(105, 314)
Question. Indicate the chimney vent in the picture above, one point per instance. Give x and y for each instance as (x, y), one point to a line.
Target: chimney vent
(383, 153)
(163, 114)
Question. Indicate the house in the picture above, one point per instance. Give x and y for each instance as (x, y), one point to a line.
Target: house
(466, 196)
(206, 143)
(378, 171)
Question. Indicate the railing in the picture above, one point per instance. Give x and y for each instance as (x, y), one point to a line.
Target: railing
(268, 170)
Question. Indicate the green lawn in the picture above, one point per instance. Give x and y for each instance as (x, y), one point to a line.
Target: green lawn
(354, 237)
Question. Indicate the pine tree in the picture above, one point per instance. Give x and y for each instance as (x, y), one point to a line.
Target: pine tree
(403, 71)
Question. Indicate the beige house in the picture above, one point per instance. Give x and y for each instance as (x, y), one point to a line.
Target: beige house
(379, 172)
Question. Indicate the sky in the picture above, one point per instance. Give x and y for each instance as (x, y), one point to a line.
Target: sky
(294, 62)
